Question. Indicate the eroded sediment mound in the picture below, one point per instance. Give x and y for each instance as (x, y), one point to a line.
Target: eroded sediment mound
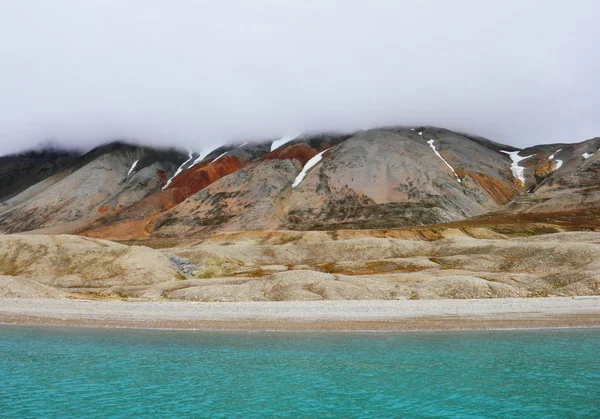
(70, 263)
(264, 266)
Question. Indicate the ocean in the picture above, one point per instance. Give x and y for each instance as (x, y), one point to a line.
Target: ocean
(107, 373)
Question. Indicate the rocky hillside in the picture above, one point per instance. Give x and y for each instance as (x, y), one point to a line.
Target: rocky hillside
(379, 178)
(102, 181)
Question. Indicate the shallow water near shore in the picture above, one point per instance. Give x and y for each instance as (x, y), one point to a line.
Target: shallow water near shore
(71, 372)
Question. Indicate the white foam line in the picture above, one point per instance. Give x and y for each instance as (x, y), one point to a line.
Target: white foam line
(432, 145)
(179, 170)
(309, 165)
(132, 167)
(285, 139)
(517, 171)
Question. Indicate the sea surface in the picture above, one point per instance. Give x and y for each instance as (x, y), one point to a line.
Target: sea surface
(68, 373)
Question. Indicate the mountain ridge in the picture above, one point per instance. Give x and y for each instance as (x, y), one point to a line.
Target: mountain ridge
(390, 177)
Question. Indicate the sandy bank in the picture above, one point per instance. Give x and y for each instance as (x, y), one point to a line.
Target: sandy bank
(308, 315)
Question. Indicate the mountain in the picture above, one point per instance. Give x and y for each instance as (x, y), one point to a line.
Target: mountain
(382, 178)
(102, 181)
(562, 179)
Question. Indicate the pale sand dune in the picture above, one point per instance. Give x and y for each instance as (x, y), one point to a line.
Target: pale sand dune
(308, 315)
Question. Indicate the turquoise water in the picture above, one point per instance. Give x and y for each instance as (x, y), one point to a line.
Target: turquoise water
(65, 373)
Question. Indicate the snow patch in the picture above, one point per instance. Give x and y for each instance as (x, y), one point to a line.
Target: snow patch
(559, 163)
(179, 170)
(218, 158)
(205, 152)
(432, 145)
(309, 165)
(586, 155)
(420, 133)
(285, 139)
(517, 171)
(243, 144)
(132, 167)
(554, 154)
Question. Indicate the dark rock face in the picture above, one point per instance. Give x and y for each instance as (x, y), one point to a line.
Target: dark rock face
(20, 171)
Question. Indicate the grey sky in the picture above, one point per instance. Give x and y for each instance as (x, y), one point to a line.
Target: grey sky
(196, 73)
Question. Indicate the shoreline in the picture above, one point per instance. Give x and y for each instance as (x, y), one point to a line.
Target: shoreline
(308, 316)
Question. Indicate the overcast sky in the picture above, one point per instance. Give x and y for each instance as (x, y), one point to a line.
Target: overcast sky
(196, 73)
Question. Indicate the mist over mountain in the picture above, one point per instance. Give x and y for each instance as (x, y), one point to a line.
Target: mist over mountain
(199, 74)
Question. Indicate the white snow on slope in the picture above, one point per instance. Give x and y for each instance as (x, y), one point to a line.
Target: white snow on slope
(432, 145)
(285, 139)
(205, 152)
(218, 157)
(309, 165)
(559, 163)
(586, 155)
(179, 170)
(554, 154)
(517, 171)
(243, 144)
(132, 167)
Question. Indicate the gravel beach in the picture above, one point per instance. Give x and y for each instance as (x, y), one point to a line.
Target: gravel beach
(308, 315)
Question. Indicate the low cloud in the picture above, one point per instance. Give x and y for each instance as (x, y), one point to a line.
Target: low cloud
(199, 73)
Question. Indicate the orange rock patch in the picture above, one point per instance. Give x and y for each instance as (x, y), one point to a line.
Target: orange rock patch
(300, 152)
(544, 169)
(195, 179)
(499, 192)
